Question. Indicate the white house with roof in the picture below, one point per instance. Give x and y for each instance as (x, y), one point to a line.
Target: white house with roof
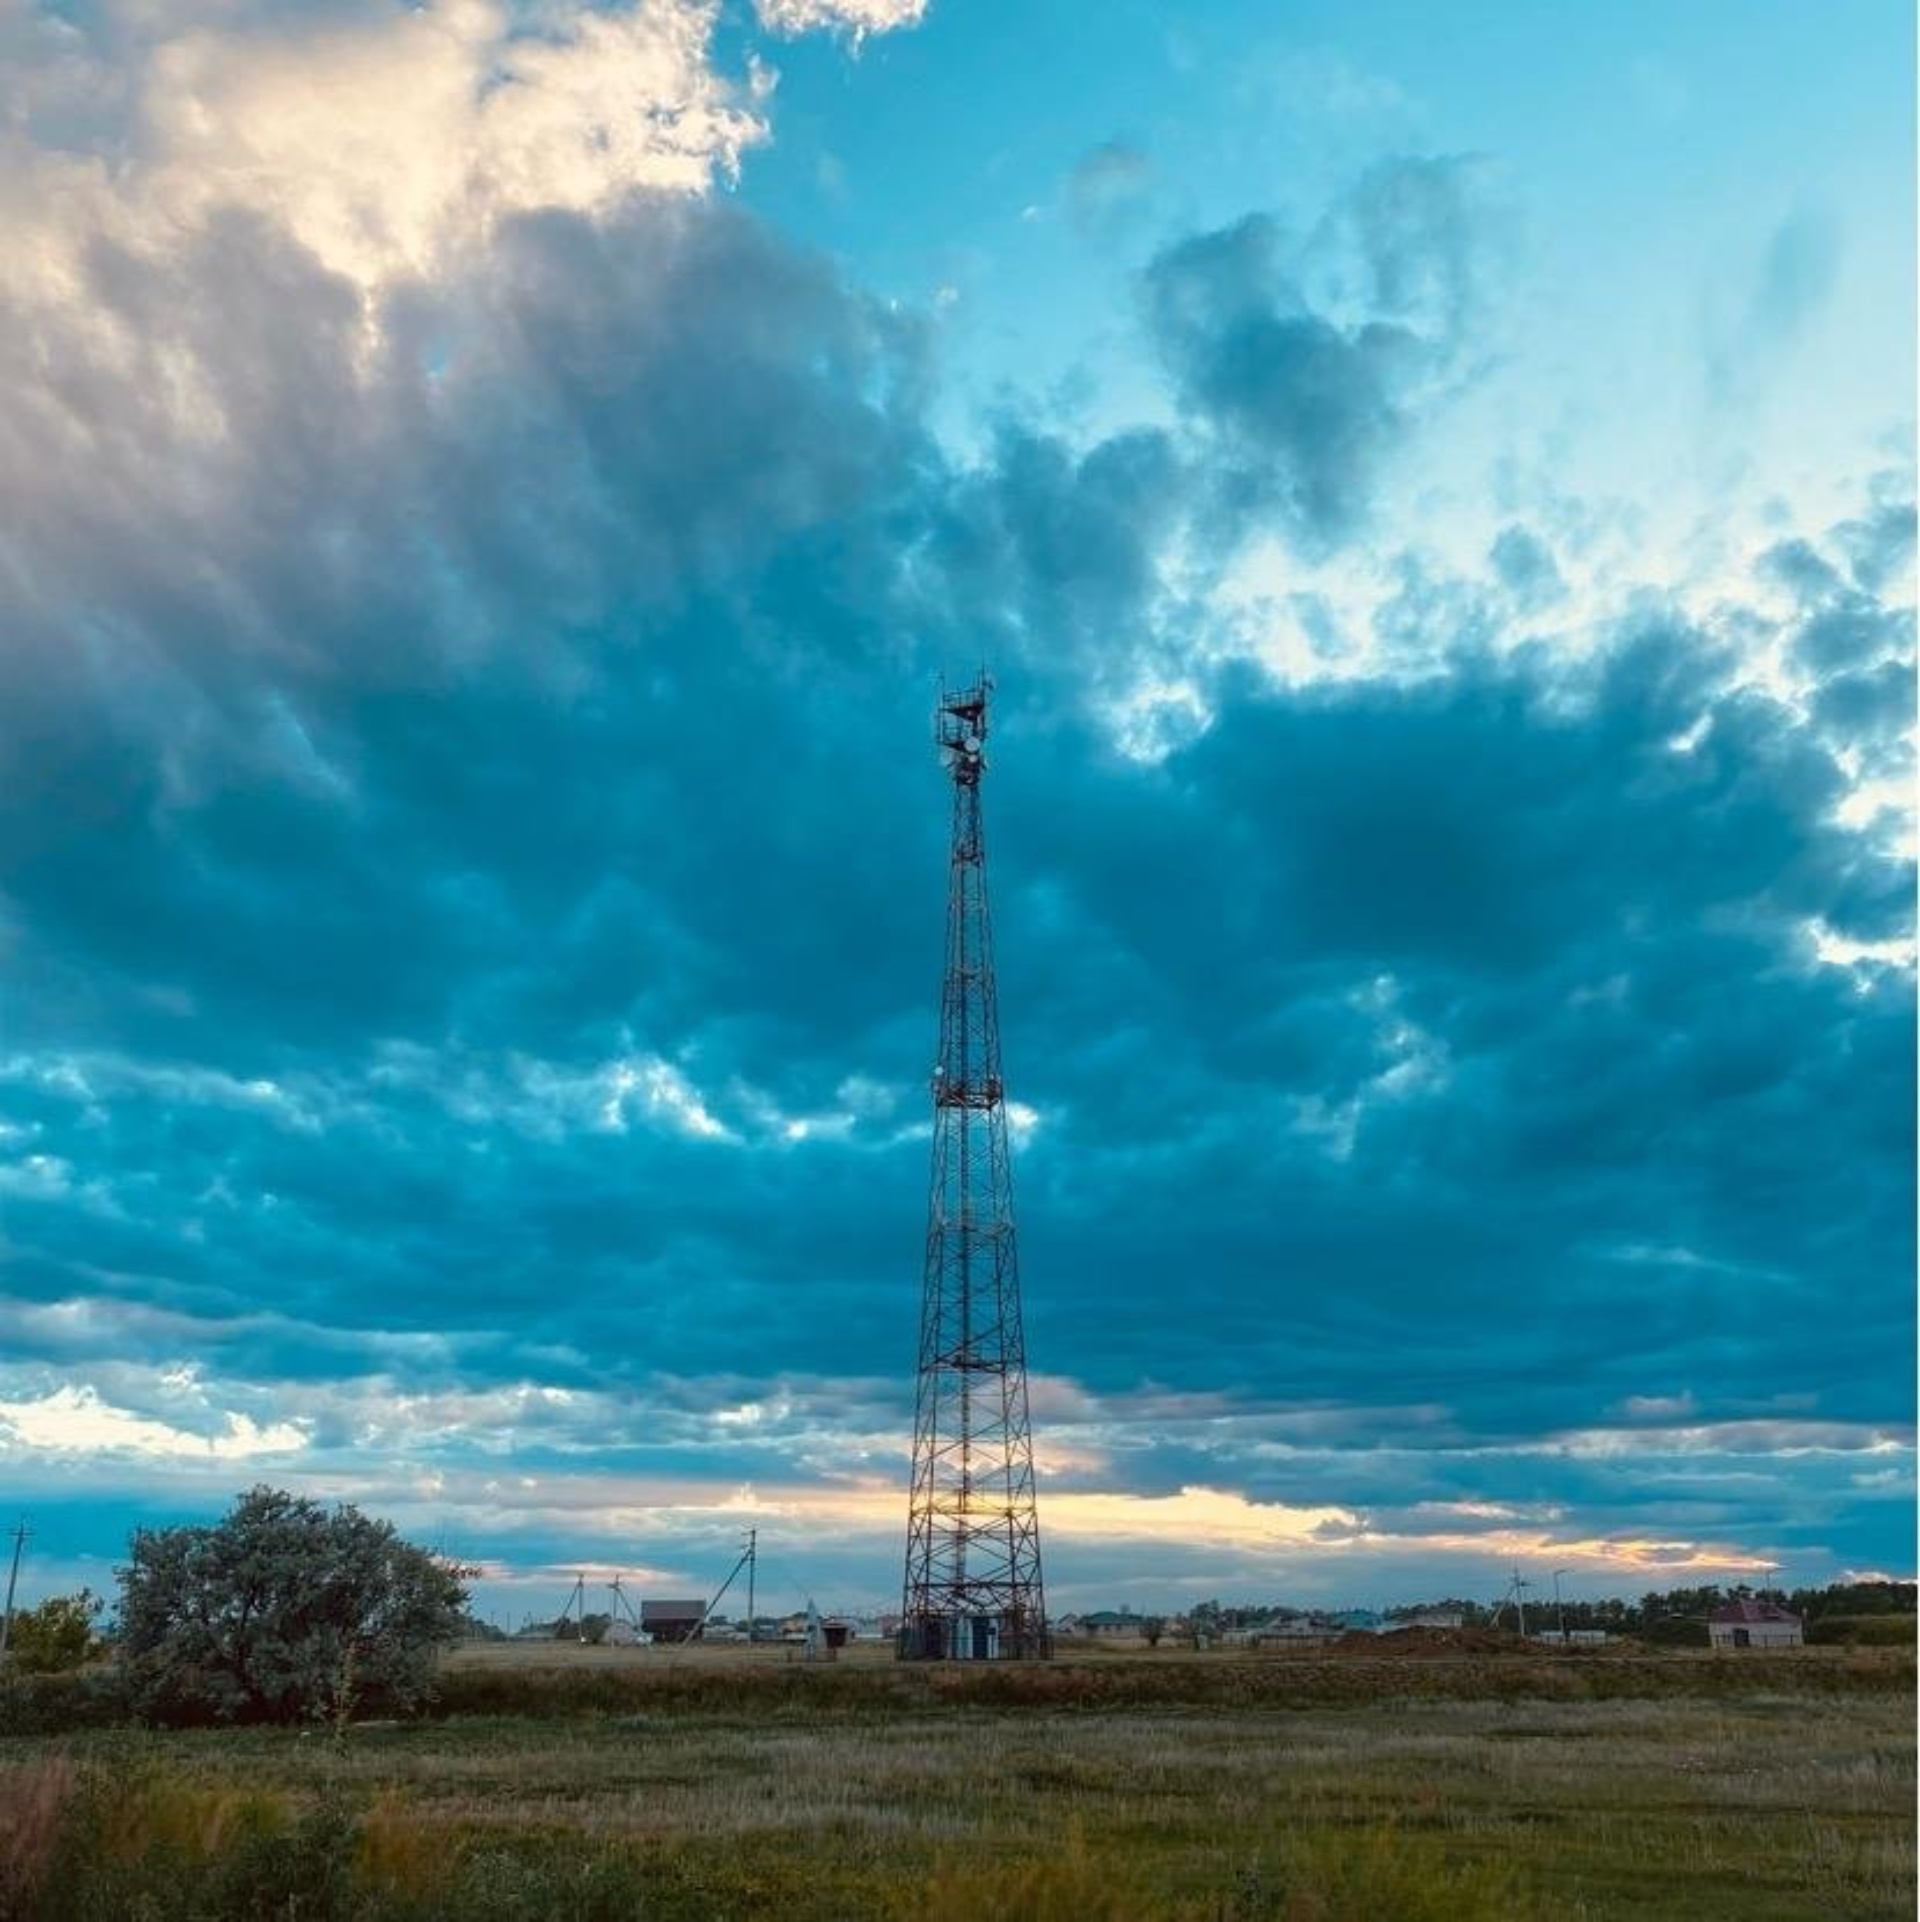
(1746, 1623)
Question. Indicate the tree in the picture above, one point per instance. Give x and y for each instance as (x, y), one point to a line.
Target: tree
(57, 1635)
(284, 1611)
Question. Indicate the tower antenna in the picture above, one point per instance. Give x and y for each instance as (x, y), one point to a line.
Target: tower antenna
(973, 1588)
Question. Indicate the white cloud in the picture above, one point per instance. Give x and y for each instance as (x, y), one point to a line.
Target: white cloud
(662, 1093)
(91, 1078)
(381, 144)
(51, 1178)
(1768, 1436)
(76, 1421)
(37, 1177)
(858, 17)
(1220, 1518)
(1416, 1064)
(1841, 951)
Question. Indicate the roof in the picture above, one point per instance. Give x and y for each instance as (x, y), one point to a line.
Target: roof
(1746, 1609)
(671, 1611)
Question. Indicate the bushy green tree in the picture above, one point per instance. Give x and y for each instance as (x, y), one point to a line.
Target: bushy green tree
(285, 1611)
(56, 1636)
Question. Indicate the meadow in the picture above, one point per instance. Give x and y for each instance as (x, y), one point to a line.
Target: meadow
(1439, 1786)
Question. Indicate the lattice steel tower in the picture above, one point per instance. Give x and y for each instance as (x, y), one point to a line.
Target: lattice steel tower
(973, 1587)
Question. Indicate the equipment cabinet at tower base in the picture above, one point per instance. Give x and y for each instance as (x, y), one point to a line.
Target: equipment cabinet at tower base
(971, 1638)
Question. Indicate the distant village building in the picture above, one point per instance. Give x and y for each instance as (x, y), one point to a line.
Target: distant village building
(1427, 1618)
(1749, 1624)
(671, 1621)
(1111, 1623)
(1296, 1631)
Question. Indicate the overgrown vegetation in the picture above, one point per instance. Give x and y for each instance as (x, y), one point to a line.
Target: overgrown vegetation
(1309, 1790)
(54, 1638)
(1435, 1776)
(284, 1611)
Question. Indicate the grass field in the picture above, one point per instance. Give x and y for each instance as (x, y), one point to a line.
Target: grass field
(568, 1782)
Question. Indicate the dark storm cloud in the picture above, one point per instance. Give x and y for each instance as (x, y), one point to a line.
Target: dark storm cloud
(1304, 398)
(475, 877)
(397, 621)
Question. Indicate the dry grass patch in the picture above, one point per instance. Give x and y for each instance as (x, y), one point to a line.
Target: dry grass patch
(753, 1789)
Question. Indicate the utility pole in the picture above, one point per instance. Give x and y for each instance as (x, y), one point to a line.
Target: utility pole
(749, 1556)
(1559, 1607)
(20, 1533)
(973, 1587)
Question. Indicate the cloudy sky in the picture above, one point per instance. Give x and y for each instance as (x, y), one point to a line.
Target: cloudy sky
(486, 490)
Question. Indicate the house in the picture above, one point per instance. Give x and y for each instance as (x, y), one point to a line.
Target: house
(671, 1621)
(1746, 1623)
(1111, 1622)
(1296, 1631)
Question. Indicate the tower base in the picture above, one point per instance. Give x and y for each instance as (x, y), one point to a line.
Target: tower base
(1004, 1637)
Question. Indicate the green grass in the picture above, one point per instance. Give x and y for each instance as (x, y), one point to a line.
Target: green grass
(1367, 1790)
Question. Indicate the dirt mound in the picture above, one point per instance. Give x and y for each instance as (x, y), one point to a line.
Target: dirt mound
(1432, 1641)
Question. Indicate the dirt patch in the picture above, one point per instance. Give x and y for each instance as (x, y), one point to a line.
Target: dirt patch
(1433, 1641)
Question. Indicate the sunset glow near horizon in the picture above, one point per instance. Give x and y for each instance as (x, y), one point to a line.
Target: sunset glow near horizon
(489, 490)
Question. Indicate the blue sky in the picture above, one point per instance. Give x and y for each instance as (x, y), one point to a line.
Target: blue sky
(487, 493)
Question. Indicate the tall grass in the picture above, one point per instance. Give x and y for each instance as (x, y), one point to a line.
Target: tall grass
(33, 1809)
(552, 1686)
(678, 1793)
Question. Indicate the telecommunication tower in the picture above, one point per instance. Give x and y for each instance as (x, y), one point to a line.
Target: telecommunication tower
(973, 1589)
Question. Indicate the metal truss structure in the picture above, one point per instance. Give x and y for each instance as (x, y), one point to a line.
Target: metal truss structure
(973, 1588)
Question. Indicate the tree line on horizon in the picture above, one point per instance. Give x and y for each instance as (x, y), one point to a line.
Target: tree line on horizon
(1660, 1615)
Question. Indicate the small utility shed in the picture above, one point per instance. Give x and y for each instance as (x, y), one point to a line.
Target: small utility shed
(1749, 1624)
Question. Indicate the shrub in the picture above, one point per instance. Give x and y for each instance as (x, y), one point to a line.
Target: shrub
(55, 1637)
(282, 1612)
(1863, 1631)
(61, 1704)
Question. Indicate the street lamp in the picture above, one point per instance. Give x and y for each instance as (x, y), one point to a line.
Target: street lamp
(1558, 1609)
